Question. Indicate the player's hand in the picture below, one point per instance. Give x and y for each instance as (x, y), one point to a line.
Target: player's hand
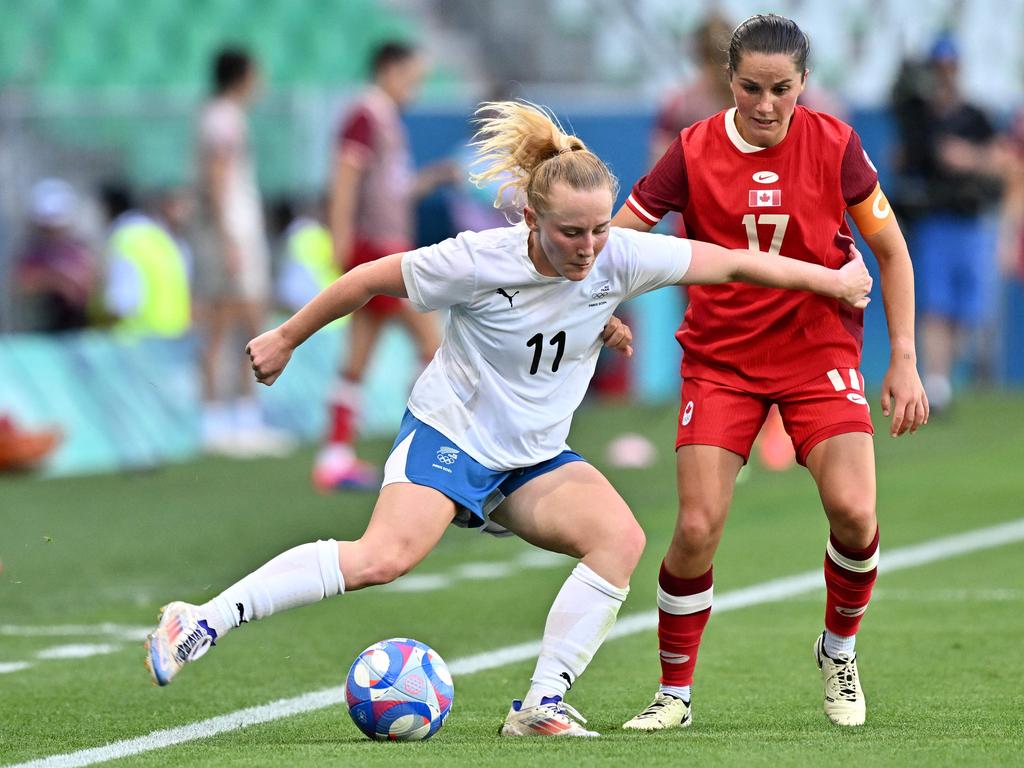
(854, 281)
(269, 353)
(903, 396)
(617, 335)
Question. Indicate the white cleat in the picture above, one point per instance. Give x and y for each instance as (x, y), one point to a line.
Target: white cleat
(552, 717)
(844, 699)
(180, 637)
(666, 711)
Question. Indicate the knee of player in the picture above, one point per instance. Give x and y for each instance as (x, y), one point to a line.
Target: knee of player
(697, 526)
(386, 568)
(620, 542)
(853, 514)
(629, 541)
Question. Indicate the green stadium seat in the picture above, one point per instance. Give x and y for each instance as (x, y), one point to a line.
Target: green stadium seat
(17, 46)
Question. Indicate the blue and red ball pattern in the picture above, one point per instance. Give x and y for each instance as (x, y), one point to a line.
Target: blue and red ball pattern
(399, 689)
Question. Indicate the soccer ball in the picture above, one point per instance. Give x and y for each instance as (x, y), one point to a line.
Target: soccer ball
(399, 689)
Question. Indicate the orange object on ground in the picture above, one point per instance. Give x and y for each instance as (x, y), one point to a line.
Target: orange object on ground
(21, 449)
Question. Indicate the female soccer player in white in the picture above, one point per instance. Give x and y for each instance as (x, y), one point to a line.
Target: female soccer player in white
(483, 440)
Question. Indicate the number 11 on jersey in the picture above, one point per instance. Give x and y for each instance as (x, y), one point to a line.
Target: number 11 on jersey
(778, 220)
(537, 342)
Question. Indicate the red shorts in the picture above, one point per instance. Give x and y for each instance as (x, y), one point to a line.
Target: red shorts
(828, 405)
(365, 251)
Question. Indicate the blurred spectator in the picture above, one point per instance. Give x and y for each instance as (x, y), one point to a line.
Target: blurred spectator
(374, 188)
(948, 180)
(232, 285)
(707, 93)
(307, 259)
(148, 266)
(1011, 224)
(54, 269)
(22, 449)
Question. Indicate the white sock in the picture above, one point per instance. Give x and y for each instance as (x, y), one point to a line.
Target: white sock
(347, 392)
(248, 415)
(836, 644)
(216, 419)
(679, 691)
(939, 390)
(581, 616)
(334, 454)
(304, 574)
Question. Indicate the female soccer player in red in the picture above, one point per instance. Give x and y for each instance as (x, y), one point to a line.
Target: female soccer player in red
(770, 174)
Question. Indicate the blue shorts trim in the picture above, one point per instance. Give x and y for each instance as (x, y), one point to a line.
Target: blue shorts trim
(424, 456)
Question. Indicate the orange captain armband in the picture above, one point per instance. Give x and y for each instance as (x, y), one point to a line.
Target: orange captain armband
(872, 213)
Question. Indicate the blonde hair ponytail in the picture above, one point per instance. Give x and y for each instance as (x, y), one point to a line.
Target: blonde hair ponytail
(524, 146)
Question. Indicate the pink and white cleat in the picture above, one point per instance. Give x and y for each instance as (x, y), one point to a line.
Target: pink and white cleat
(552, 717)
(180, 637)
(351, 475)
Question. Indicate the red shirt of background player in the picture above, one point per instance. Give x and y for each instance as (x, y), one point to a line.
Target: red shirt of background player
(792, 197)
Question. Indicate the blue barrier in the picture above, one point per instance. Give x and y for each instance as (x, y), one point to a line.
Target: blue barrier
(135, 404)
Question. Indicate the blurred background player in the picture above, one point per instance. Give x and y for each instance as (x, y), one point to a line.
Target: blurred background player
(232, 284)
(55, 271)
(745, 348)
(948, 184)
(374, 189)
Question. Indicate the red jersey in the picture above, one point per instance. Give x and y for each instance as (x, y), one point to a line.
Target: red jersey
(373, 137)
(791, 198)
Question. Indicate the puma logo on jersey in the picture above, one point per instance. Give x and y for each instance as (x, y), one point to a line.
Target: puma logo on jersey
(765, 177)
(503, 293)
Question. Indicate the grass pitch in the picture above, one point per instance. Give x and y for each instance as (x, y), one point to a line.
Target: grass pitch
(939, 650)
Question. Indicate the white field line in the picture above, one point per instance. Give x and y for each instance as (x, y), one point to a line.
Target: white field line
(759, 594)
(77, 650)
(484, 571)
(75, 630)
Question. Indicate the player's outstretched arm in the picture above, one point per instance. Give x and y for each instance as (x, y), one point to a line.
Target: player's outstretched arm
(903, 395)
(712, 264)
(271, 351)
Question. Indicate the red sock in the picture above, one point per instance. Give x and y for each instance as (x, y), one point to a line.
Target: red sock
(684, 607)
(849, 578)
(344, 409)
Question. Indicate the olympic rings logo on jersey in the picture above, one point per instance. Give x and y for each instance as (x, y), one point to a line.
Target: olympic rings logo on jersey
(447, 455)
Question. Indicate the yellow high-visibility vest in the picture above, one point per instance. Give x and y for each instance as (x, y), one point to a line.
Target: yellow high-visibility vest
(310, 245)
(164, 308)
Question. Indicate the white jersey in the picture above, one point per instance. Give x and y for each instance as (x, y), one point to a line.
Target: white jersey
(520, 348)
